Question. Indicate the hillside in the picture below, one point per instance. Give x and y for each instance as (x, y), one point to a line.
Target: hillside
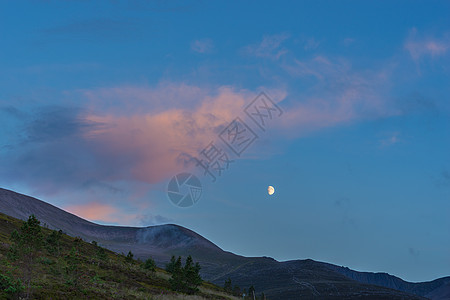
(278, 280)
(438, 289)
(112, 277)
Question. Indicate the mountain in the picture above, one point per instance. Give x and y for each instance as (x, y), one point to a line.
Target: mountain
(69, 268)
(438, 289)
(305, 279)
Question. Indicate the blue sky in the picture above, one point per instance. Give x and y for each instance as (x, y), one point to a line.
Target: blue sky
(101, 103)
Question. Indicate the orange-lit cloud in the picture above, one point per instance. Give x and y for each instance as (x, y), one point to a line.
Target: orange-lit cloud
(150, 146)
(99, 212)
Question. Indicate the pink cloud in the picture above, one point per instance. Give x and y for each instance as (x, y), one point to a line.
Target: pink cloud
(149, 146)
(95, 211)
(419, 47)
(270, 47)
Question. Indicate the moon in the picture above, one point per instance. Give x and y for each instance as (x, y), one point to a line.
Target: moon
(271, 190)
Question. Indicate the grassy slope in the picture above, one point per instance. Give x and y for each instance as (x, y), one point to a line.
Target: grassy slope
(113, 278)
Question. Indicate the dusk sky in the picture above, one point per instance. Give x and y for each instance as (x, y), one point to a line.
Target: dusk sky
(103, 102)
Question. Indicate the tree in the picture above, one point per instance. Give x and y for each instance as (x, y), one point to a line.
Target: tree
(192, 275)
(52, 243)
(173, 265)
(149, 265)
(251, 292)
(129, 257)
(27, 243)
(185, 279)
(237, 291)
(228, 287)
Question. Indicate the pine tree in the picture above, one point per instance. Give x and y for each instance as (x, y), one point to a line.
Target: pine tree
(129, 257)
(228, 287)
(251, 292)
(192, 275)
(150, 265)
(52, 243)
(184, 279)
(171, 265)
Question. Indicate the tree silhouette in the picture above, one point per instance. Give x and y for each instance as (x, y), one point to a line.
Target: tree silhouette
(228, 287)
(150, 265)
(129, 257)
(185, 279)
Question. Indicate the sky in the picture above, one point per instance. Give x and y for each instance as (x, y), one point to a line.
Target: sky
(102, 103)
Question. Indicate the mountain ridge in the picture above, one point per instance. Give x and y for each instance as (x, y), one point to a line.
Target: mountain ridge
(281, 280)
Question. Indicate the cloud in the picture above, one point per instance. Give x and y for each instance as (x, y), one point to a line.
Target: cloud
(95, 212)
(110, 214)
(152, 146)
(270, 47)
(105, 213)
(336, 94)
(117, 135)
(311, 44)
(392, 139)
(149, 219)
(420, 47)
(144, 135)
(202, 46)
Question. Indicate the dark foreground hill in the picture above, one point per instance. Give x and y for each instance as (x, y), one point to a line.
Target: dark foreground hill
(74, 269)
(299, 279)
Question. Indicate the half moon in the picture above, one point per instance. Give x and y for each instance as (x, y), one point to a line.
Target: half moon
(271, 190)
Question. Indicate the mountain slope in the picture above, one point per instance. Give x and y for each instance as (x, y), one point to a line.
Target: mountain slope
(76, 271)
(278, 280)
(438, 289)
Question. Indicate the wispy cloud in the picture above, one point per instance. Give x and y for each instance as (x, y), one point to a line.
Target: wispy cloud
(203, 46)
(391, 139)
(99, 212)
(111, 214)
(420, 46)
(311, 44)
(269, 47)
(338, 94)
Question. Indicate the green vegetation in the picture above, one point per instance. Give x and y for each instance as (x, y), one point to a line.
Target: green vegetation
(184, 279)
(39, 263)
